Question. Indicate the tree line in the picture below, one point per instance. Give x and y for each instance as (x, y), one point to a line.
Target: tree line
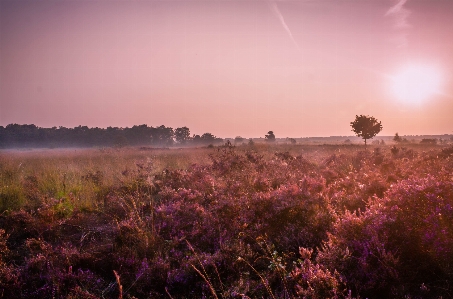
(16, 135)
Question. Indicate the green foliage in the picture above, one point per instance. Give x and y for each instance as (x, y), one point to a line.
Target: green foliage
(11, 197)
(64, 208)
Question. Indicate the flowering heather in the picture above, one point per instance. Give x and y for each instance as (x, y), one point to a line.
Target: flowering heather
(261, 221)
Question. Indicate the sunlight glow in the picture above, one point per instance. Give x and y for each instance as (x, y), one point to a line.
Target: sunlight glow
(416, 83)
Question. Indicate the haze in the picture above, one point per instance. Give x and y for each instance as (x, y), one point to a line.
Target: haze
(298, 68)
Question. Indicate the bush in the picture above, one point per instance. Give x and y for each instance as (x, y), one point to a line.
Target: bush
(399, 243)
(428, 141)
(313, 281)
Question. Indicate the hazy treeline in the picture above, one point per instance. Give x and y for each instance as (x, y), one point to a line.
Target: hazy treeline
(15, 135)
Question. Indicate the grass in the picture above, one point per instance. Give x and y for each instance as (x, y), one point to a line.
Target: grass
(83, 174)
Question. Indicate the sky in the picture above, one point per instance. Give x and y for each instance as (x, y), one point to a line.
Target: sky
(232, 68)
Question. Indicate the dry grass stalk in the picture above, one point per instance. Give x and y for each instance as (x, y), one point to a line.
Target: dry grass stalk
(120, 287)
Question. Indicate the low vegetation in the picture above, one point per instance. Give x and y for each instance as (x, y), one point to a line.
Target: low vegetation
(253, 221)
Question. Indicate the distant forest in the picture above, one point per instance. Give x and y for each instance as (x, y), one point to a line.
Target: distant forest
(19, 136)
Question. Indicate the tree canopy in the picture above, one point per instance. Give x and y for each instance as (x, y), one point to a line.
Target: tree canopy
(366, 126)
(15, 135)
(182, 135)
(270, 136)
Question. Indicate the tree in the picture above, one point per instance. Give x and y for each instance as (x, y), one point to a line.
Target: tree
(366, 126)
(162, 135)
(196, 139)
(398, 139)
(182, 135)
(208, 138)
(270, 136)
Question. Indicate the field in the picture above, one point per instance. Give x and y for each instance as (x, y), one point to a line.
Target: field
(253, 221)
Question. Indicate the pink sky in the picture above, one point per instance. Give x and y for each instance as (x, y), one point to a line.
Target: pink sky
(299, 68)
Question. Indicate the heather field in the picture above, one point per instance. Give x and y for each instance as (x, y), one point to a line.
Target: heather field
(253, 221)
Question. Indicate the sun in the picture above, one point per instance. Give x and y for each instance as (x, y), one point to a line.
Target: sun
(416, 83)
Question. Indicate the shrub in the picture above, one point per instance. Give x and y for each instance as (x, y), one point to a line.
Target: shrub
(313, 281)
(428, 141)
(397, 244)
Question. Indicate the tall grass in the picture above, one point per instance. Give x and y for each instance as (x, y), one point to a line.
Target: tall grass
(84, 175)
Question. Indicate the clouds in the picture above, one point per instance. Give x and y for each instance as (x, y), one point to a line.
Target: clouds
(273, 6)
(400, 14)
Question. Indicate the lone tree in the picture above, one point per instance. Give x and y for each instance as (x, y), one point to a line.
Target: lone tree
(366, 126)
(270, 136)
(398, 139)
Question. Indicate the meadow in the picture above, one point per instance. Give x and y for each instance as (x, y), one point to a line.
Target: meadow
(252, 221)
